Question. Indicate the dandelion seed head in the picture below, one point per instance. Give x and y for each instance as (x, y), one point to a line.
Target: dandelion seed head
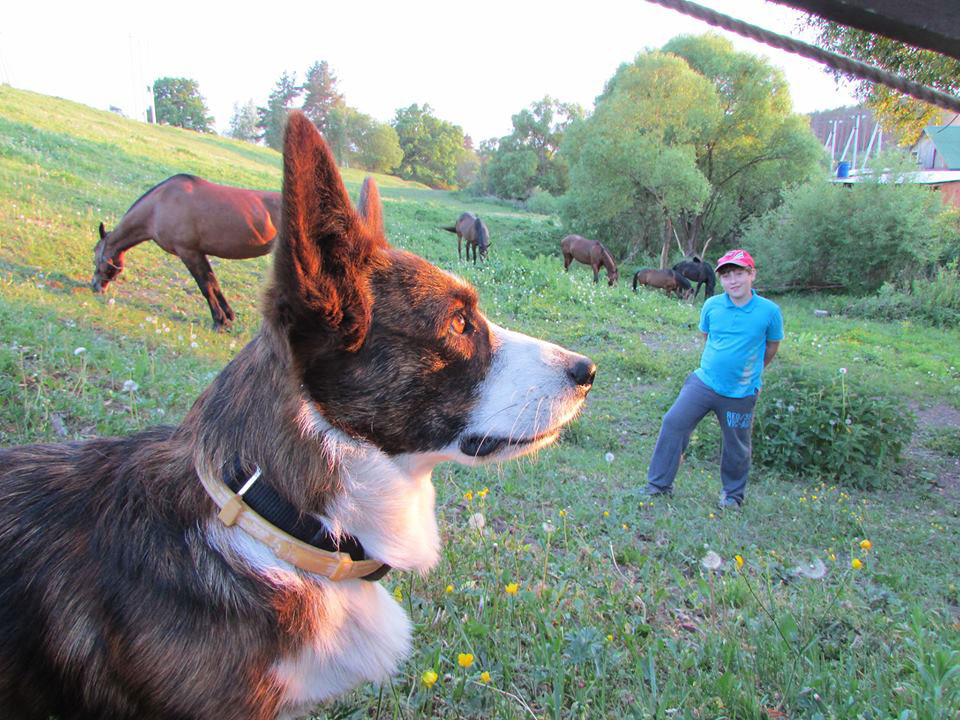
(711, 561)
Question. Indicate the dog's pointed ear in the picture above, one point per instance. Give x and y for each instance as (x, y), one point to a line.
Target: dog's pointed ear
(103, 232)
(370, 206)
(323, 253)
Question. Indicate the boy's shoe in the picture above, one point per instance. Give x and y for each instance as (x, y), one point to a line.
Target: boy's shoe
(653, 491)
(729, 503)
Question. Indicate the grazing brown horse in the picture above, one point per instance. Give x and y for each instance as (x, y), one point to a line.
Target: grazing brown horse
(191, 218)
(589, 252)
(472, 231)
(668, 280)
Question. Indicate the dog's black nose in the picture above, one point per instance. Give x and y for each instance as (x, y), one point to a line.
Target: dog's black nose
(582, 371)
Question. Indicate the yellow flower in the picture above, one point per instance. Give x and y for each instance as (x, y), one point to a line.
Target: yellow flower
(483, 493)
(512, 588)
(563, 513)
(468, 496)
(739, 560)
(449, 589)
(606, 514)
(712, 516)
(484, 677)
(398, 594)
(856, 564)
(428, 678)
(625, 526)
(465, 660)
(609, 638)
(866, 545)
(833, 557)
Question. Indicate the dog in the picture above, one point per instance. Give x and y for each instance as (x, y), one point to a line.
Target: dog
(228, 567)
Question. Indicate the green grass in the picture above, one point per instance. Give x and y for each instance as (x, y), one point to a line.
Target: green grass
(614, 614)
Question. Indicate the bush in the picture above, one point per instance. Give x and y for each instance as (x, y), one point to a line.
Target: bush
(543, 203)
(936, 302)
(853, 238)
(819, 425)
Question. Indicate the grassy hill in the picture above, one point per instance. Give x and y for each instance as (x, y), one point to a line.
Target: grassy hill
(614, 614)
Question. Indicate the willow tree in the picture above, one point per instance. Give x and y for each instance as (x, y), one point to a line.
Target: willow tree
(633, 161)
(694, 139)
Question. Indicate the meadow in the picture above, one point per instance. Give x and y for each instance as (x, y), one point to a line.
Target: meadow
(562, 593)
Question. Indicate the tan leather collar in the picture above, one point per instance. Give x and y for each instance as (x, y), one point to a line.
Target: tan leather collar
(234, 511)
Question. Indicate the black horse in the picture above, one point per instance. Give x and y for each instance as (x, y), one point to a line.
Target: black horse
(699, 272)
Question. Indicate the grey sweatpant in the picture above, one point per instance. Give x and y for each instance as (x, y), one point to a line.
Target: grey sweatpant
(695, 400)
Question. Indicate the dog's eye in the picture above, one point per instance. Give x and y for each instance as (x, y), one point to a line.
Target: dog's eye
(458, 324)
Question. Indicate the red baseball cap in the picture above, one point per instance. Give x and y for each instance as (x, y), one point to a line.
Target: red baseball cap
(736, 257)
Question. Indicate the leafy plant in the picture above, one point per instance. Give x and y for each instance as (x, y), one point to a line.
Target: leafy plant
(935, 301)
(815, 424)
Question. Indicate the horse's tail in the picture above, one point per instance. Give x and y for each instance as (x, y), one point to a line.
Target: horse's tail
(636, 278)
(452, 228)
(682, 281)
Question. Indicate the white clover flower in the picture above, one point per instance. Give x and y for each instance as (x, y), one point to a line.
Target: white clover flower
(548, 528)
(130, 386)
(609, 457)
(193, 344)
(79, 351)
(711, 561)
(791, 408)
(843, 371)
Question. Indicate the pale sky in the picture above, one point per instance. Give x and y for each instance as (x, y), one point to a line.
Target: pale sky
(476, 64)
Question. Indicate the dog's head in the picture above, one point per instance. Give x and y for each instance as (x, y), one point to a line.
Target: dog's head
(389, 348)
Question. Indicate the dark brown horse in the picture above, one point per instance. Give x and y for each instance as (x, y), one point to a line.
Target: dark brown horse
(589, 252)
(191, 218)
(670, 281)
(472, 231)
(696, 270)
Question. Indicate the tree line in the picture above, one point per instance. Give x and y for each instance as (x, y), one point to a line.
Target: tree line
(691, 145)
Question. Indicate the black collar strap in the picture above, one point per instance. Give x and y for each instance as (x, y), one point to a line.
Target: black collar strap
(266, 502)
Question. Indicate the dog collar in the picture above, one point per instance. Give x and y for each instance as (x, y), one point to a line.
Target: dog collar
(303, 541)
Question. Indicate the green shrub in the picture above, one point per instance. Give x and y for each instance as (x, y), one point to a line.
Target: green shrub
(819, 425)
(543, 203)
(853, 239)
(936, 301)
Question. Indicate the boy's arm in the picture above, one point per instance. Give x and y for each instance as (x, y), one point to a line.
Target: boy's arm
(771, 350)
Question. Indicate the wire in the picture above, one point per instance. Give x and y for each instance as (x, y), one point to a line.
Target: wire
(838, 62)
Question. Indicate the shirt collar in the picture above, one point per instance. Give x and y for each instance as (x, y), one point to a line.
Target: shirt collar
(745, 308)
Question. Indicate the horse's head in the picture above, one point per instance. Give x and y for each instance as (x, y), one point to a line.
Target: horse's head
(106, 264)
(613, 274)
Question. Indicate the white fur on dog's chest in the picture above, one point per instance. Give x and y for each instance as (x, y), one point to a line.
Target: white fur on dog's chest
(362, 634)
(364, 637)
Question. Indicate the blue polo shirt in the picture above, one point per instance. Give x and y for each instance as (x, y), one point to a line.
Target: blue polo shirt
(732, 360)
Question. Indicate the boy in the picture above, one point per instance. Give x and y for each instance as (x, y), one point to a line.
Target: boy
(742, 332)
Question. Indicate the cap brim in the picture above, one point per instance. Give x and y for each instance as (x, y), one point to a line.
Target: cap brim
(733, 262)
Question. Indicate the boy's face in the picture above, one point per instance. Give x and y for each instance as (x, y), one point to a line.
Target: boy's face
(737, 282)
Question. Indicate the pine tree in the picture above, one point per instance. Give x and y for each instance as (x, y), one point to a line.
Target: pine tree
(321, 95)
(273, 117)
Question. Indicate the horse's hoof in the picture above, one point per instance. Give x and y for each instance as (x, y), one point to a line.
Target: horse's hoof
(222, 327)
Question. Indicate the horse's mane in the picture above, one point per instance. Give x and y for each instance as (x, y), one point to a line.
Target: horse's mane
(606, 254)
(483, 235)
(178, 176)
